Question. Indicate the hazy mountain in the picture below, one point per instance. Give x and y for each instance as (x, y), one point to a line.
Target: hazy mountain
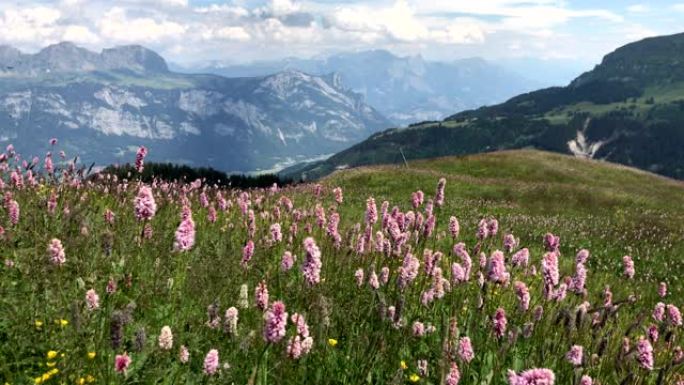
(405, 89)
(629, 109)
(103, 105)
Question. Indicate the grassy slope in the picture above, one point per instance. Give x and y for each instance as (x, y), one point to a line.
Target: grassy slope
(608, 209)
(597, 205)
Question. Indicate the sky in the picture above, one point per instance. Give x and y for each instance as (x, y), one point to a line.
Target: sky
(239, 31)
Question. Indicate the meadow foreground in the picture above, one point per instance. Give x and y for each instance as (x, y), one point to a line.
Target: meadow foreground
(510, 268)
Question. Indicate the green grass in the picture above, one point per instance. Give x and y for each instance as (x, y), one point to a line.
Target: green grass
(610, 210)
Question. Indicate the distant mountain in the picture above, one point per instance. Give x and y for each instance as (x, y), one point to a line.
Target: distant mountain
(102, 106)
(405, 89)
(629, 109)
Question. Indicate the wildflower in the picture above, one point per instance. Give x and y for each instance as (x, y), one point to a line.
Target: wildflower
(574, 356)
(243, 300)
(532, 377)
(551, 243)
(183, 355)
(56, 251)
(418, 329)
(165, 338)
(628, 265)
(261, 296)
(247, 252)
(402, 365)
(52, 354)
(359, 277)
(653, 333)
(92, 300)
(276, 234)
(673, 315)
(408, 271)
(332, 342)
(13, 209)
(111, 286)
(550, 272)
(497, 268)
(312, 262)
(91, 355)
(275, 322)
(211, 362)
(145, 206)
(109, 216)
(454, 227)
(465, 349)
(454, 375)
(509, 243)
(521, 257)
(337, 191)
(662, 289)
(439, 195)
(287, 261)
(122, 362)
(659, 312)
(139, 158)
(586, 380)
(414, 377)
(230, 321)
(582, 256)
(371, 211)
(499, 322)
(523, 294)
(185, 233)
(644, 354)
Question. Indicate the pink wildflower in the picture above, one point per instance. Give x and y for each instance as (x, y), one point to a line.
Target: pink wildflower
(247, 253)
(574, 355)
(465, 349)
(261, 296)
(532, 377)
(92, 300)
(139, 158)
(628, 265)
(211, 362)
(645, 354)
(145, 206)
(56, 251)
(121, 362)
(500, 322)
(311, 267)
(275, 322)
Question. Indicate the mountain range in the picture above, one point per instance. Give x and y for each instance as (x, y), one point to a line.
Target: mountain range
(629, 109)
(407, 89)
(102, 106)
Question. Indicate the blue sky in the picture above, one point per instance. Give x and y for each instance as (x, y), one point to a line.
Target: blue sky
(191, 31)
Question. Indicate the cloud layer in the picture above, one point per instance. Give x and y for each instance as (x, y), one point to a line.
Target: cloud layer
(244, 30)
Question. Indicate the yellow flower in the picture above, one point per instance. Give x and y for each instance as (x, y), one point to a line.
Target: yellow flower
(38, 380)
(90, 379)
(91, 355)
(51, 364)
(332, 342)
(53, 371)
(45, 377)
(51, 354)
(63, 322)
(38, 324)
(414, 378)
(403, 365)
(80, 381)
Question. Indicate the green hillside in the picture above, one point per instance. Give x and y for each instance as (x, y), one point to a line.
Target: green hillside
(628, 110)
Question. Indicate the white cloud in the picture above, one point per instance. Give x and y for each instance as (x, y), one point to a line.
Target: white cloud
(678, 7)
(80, 35)
(638, 8)
(117, 26)
(227, 33)
(28, 24)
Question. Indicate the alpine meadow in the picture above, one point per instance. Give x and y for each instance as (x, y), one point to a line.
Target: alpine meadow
(330, 192)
